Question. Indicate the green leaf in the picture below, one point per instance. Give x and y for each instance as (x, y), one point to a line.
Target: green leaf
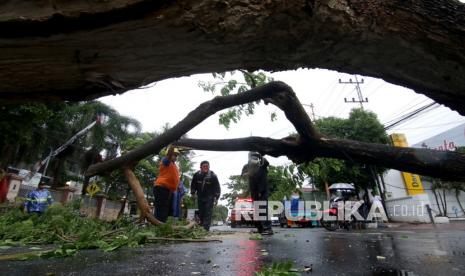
(256, 237)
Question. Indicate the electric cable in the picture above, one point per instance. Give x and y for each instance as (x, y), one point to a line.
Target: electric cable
(430, 126)
(412, 114)
(399, 114)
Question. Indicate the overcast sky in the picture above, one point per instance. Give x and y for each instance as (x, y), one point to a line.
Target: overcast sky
(171, 100)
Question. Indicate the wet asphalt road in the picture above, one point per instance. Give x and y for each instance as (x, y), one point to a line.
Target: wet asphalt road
(411, 250)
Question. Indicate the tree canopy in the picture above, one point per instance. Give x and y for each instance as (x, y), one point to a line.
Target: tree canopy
(31, 131)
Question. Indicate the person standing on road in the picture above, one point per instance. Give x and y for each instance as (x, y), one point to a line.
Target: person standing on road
(256, 170)
(166, 183)
(37, 201)
(206, 187)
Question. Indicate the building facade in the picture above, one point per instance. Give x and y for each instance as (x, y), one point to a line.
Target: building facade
(409, 196)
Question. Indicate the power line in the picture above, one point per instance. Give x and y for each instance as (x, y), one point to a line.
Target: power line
(399, 114)
(411, 115)
(371, 92)
(339, 104)
(430, 126)
(329, 107)
(427, 115)
(327, 95)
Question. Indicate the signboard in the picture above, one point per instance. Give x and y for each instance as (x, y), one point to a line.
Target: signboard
(446, 141)
(412, 181)
(92, 189)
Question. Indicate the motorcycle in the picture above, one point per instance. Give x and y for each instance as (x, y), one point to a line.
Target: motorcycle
(332, 220)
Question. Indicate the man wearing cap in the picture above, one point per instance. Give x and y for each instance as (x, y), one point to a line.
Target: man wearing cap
(206, 187)
(165, 184)
(38, 200)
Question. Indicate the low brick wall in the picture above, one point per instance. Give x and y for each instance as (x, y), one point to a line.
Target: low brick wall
(101, 208)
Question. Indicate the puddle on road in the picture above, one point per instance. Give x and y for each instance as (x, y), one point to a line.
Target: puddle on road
(246, 260)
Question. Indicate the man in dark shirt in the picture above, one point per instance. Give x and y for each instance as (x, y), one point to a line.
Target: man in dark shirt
(206, 187)
(256, 170)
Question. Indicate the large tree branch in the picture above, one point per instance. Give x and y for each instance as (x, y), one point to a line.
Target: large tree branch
(276, 92)
(142, 202)
(442, 164)
(304, 147)
(140, 197)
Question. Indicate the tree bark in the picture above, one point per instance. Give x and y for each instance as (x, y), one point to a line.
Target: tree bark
(102, 47)
(142, 202)
(140, 197)
(445, 165)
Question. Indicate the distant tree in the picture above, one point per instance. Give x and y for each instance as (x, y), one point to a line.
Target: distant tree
(220, 213)
(31, 131)
(283, 180)
(23, 131)
(361, 125)
(237, 187)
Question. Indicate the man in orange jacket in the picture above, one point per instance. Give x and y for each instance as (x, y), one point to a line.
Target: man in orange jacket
(165, 184)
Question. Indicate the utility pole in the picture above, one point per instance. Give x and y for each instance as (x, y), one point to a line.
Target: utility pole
(359, 92)
(313, 117)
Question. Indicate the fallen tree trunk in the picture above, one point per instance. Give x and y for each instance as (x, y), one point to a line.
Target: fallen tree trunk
(441, 164)
(109, 47)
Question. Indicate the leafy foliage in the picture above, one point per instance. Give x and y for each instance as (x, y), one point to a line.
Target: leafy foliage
(282, 181)
(227, 83)
(220, 213)
(62, 225)
(238, 187)
(278, 269)
(30, 131)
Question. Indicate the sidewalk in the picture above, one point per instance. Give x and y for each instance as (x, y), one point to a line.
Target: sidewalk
(453, 225)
